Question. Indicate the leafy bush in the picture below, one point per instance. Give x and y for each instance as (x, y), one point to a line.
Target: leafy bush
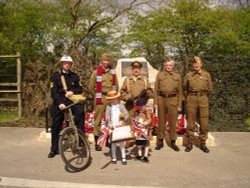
(219, 115)
(248, 121)
(222, 120)
(236, 104)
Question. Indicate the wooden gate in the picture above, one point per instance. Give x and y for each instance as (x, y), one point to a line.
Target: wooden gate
(17, 84)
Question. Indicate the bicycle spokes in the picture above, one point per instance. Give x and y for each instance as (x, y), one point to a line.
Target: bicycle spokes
(74, 149)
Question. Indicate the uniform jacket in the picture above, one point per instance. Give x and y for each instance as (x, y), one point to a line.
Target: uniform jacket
(136, 85)
(106, 83)
(169, 83)
(57, 91)
(200, 82)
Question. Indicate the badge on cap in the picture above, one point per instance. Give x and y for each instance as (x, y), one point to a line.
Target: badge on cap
(136, 64)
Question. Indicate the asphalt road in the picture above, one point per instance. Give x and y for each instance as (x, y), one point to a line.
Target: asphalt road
(24, 163)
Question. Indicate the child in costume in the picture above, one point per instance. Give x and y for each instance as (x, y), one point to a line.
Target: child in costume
(143, 119)
(116, 114)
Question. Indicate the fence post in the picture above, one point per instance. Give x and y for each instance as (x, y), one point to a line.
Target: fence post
(19, 84)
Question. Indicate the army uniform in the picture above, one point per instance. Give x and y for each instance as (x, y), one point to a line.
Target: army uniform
(168, 97)
(100, 108)
(58, 96)
(197, 86)
(132, 88)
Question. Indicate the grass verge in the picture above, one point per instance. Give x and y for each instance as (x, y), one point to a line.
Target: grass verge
(8, 116)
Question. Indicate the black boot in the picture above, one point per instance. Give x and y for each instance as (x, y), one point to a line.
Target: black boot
(159, 144)
(204, 148)
(97, 147)
(108, 144)
(145, 159)
(189, 147)
(52, 154)
(138, 157)
(174, 146)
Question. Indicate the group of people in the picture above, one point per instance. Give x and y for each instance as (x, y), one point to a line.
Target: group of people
(168, 93)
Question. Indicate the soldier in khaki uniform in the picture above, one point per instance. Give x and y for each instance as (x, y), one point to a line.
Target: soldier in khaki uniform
(135, 88)
(168, 99)
(197, 86)
(101, 82)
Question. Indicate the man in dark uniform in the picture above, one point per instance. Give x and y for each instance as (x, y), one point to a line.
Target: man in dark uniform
(197, 86)
(168, 100)
(61, 100)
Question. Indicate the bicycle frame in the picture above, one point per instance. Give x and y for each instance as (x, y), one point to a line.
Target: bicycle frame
(71, 124)
(73, 146)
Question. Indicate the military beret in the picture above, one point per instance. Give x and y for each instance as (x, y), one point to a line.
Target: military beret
(136, 64)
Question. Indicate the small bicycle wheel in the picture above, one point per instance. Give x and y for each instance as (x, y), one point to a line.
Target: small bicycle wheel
(76, 157)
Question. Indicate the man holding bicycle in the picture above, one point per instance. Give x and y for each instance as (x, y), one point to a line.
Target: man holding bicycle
(61, 100)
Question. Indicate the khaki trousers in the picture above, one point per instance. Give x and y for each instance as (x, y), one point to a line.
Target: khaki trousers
(167, 106)
(197, 111)
(99, 110)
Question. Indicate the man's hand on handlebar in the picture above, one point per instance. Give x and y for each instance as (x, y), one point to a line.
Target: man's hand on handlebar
(61, 106)
(69, 94)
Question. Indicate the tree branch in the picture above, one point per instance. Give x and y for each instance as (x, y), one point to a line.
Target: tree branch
(102, 22)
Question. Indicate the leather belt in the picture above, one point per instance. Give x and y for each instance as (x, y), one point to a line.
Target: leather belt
(197, 93)
(165, 95)
(104, 93)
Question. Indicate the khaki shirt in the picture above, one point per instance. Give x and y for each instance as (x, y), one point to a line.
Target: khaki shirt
(106, 83)
(197, 82)
(169, 83)
(133, 86)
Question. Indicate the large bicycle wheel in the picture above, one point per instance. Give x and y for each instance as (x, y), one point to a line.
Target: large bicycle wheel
(76, 157)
